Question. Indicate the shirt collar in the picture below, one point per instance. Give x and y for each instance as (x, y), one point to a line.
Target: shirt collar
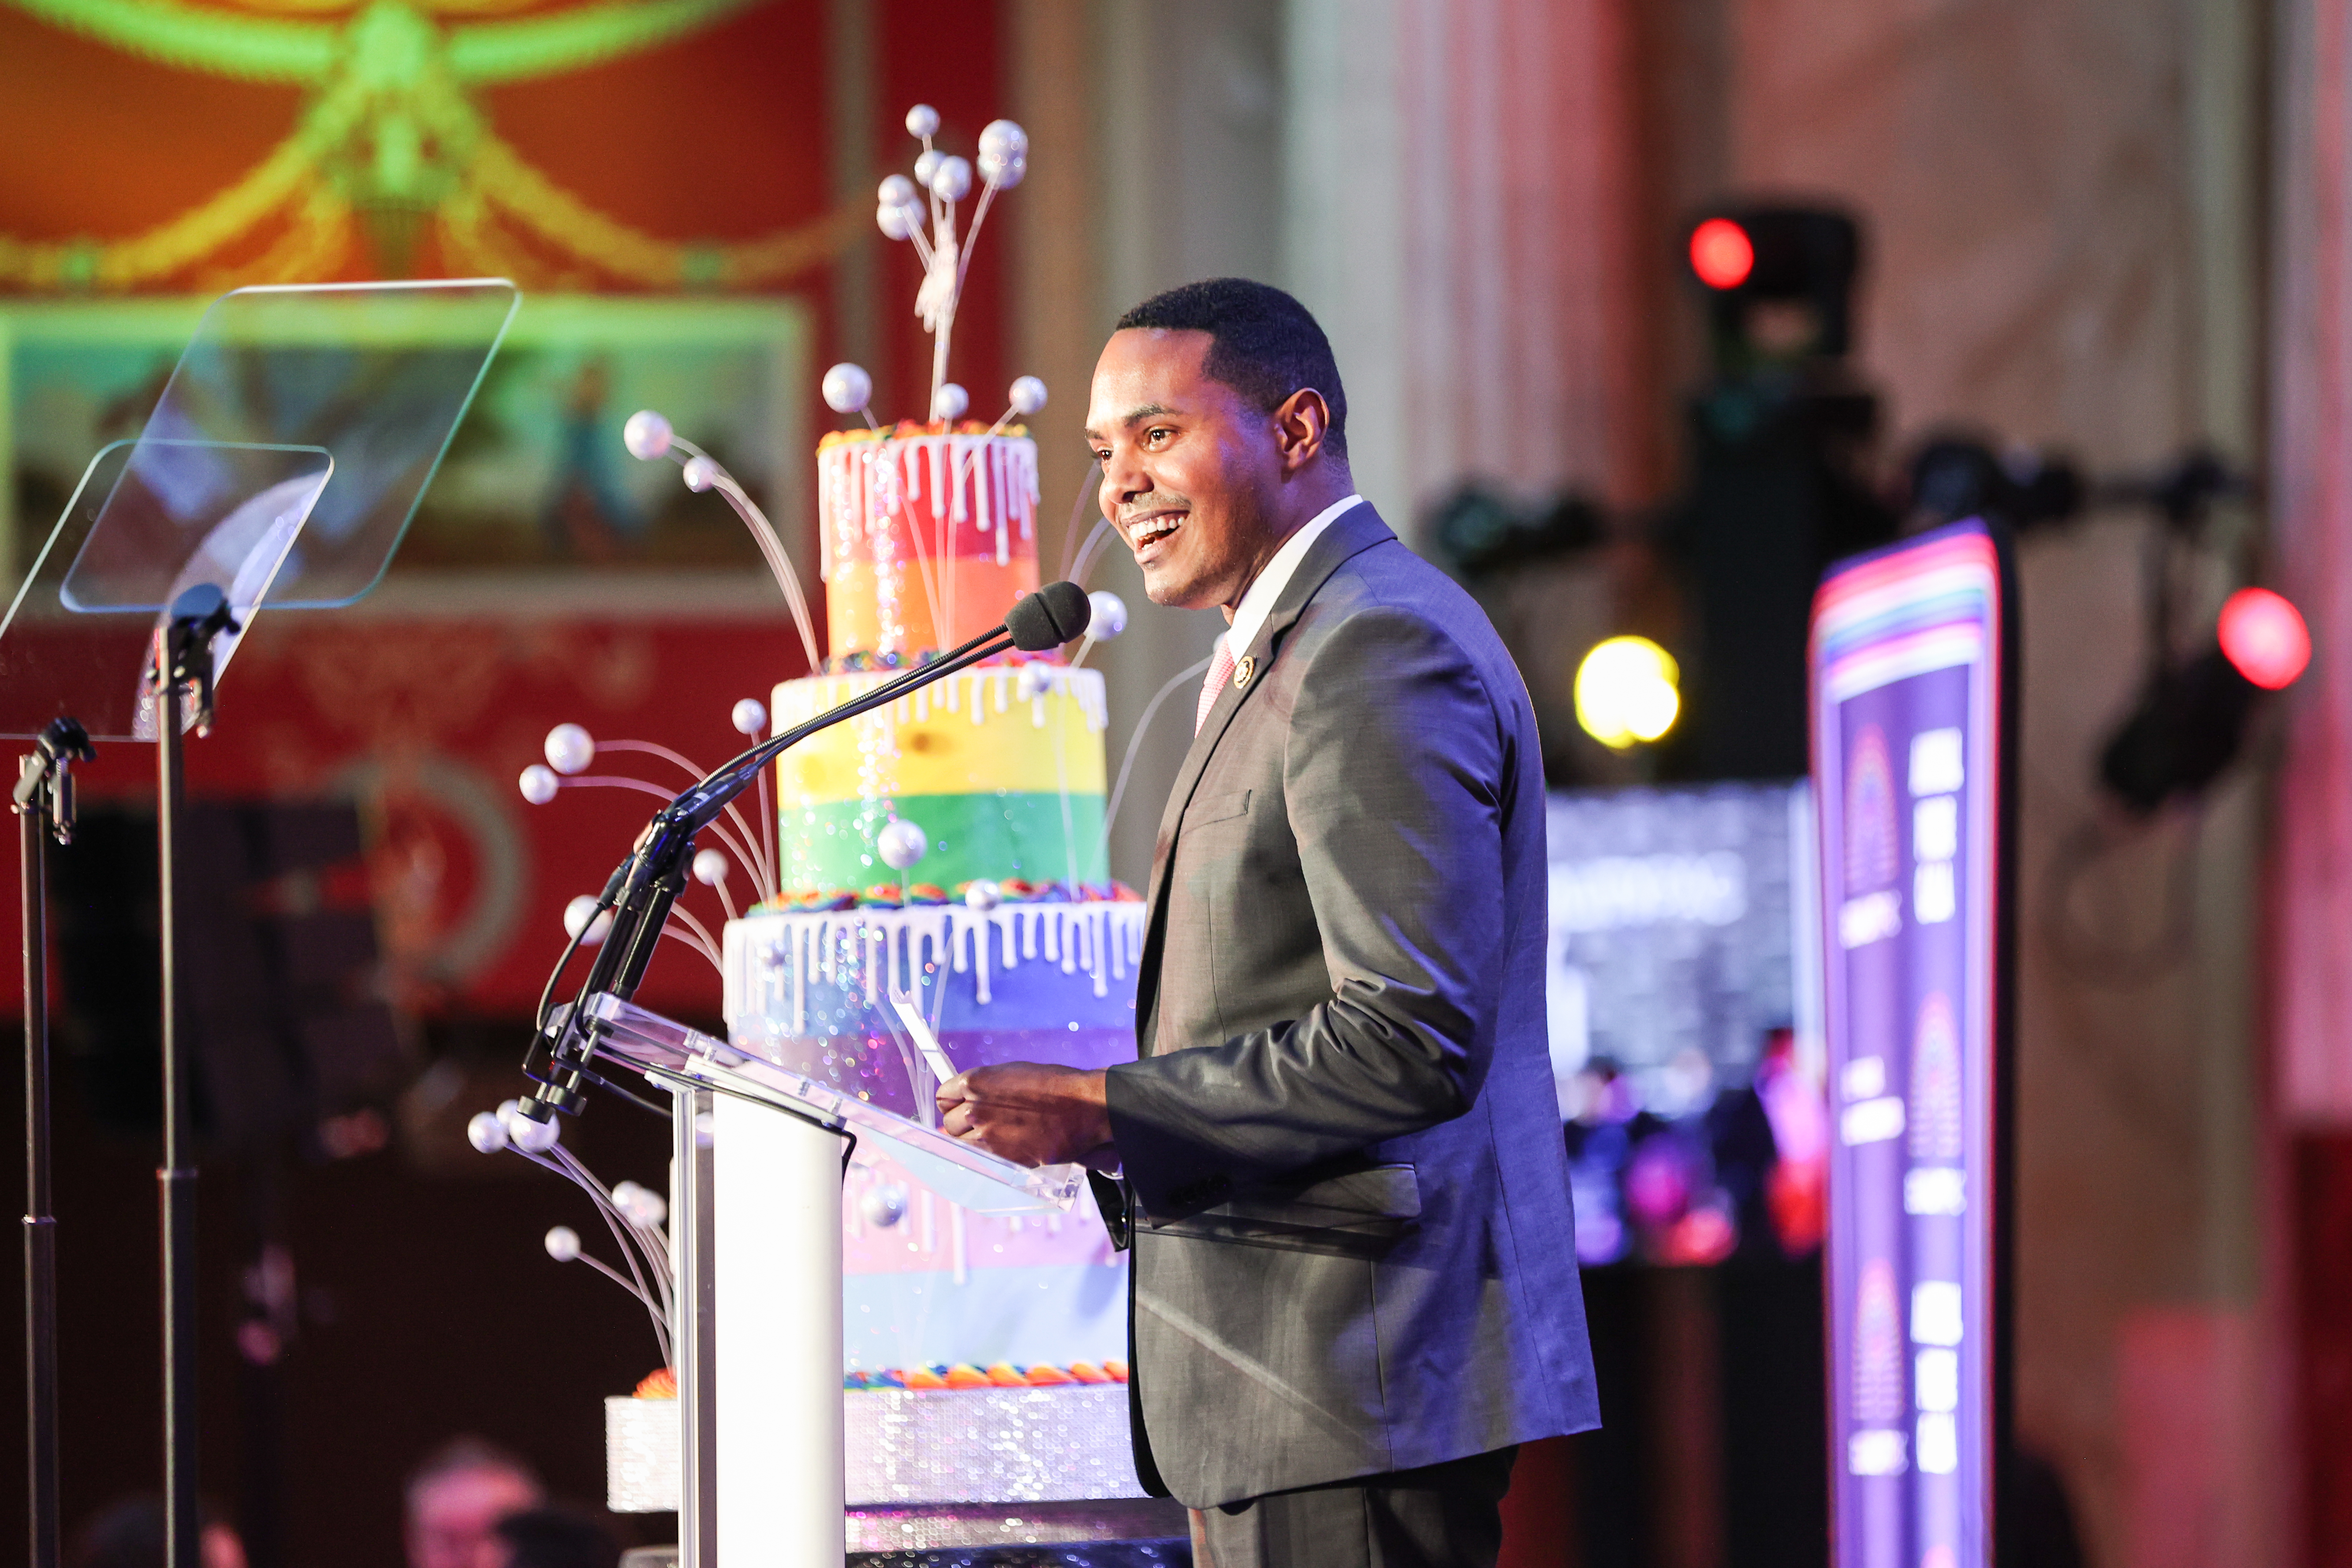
(1258, 602)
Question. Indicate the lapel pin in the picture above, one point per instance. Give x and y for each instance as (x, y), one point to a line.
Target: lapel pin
(1243, 670)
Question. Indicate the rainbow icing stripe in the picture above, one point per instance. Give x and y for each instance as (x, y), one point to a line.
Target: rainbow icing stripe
(1001, 766)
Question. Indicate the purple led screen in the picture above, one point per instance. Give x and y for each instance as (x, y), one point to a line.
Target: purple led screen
(1907, 644)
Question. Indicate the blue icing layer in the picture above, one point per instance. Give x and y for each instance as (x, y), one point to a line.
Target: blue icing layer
(810, 989)
(1051, 1315)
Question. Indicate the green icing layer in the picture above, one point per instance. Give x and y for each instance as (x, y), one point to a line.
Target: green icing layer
(998, 836)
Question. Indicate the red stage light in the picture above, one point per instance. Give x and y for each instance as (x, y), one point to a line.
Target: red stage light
(2264, 637)
(1721, 253)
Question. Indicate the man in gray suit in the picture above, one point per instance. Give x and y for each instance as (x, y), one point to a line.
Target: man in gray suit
(1355, 1288)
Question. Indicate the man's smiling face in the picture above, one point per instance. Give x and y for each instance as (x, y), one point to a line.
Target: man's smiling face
(1191, 469)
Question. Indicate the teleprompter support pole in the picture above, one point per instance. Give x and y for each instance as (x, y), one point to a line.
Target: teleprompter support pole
(177, 1180)
(43, 801)
(40, 1227)
(183, 684)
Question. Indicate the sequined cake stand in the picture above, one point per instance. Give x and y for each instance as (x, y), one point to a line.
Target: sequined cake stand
(756, 1231)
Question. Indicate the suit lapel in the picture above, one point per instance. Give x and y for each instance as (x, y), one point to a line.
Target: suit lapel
(1353, 532)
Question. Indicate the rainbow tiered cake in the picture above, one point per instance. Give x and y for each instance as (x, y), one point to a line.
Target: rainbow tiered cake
(939, 900)
(945, 853)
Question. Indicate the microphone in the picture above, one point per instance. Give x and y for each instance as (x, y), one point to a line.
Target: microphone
(649, 881)
(1054, 614)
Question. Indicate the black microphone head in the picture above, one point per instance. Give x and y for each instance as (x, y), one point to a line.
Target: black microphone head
(1054, 614)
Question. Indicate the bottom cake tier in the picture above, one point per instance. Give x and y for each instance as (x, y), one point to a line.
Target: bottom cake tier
(922, 1449)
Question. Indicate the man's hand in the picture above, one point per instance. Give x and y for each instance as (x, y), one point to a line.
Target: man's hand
(1030, 1113)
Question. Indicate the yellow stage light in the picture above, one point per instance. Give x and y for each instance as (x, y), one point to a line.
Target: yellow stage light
(1626, 691)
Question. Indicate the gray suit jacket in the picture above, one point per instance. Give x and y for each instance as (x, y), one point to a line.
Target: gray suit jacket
(1344, 1173)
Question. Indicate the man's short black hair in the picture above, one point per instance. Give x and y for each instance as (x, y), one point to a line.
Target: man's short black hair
(1264, 345)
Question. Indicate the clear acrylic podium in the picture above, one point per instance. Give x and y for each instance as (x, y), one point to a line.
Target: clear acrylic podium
(755, 1235)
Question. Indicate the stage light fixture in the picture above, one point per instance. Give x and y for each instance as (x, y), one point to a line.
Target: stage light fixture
(1957, 474)
(1627, 692)
(2263, 637)
(1780, 481)
(2191, 721)
(1482, 533)
(1721, 253)
(1756, 262)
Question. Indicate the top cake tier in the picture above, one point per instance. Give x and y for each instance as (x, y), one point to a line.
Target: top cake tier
(929, 535)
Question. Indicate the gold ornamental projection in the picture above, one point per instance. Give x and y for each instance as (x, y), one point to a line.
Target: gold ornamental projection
(393, 144)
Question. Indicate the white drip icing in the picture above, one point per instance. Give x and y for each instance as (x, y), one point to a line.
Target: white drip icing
(986, 482)
(881, 952)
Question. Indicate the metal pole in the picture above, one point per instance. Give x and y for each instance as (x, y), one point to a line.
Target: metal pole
(177, 1178)
(40, 1229)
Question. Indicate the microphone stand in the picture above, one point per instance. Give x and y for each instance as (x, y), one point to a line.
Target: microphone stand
(44, 802)
(650, 880)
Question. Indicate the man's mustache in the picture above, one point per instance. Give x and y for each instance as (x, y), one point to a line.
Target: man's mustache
(1145, 506)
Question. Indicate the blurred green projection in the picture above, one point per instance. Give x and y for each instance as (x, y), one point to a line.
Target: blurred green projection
(282, 464)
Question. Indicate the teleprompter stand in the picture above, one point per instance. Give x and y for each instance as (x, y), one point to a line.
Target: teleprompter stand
(123, 625)
(43, 804)
(183, 679)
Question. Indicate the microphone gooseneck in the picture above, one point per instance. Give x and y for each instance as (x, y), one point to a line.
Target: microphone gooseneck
(648, 882)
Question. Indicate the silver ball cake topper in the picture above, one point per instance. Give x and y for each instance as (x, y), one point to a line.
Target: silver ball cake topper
(921, 211)
(1109, 616)
(570, 749)
(952, 180)
(1003, 139)
(647, 435)
(884, 1205)
(584, 919)
(847, 388)
(901, 844)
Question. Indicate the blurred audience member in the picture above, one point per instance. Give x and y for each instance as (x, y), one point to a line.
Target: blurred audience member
(551, 1538)
(457, 1496)
(130, 1535)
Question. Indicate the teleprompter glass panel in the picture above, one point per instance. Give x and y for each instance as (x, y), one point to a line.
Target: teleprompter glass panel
(150, 519)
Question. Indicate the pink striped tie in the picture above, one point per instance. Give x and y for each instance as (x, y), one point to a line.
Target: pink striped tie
(1220, 670)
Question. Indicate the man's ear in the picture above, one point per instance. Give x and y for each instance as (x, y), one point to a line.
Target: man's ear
(1300, 423)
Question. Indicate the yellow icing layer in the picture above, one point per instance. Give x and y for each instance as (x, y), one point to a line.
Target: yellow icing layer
(977, 733)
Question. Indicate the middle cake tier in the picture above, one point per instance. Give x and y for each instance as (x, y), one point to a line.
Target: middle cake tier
(1000, 768)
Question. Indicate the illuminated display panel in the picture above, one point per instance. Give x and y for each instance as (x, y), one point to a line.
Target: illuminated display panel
(1910, 661)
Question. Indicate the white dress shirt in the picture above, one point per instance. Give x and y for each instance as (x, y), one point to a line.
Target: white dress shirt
(1258, 600)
